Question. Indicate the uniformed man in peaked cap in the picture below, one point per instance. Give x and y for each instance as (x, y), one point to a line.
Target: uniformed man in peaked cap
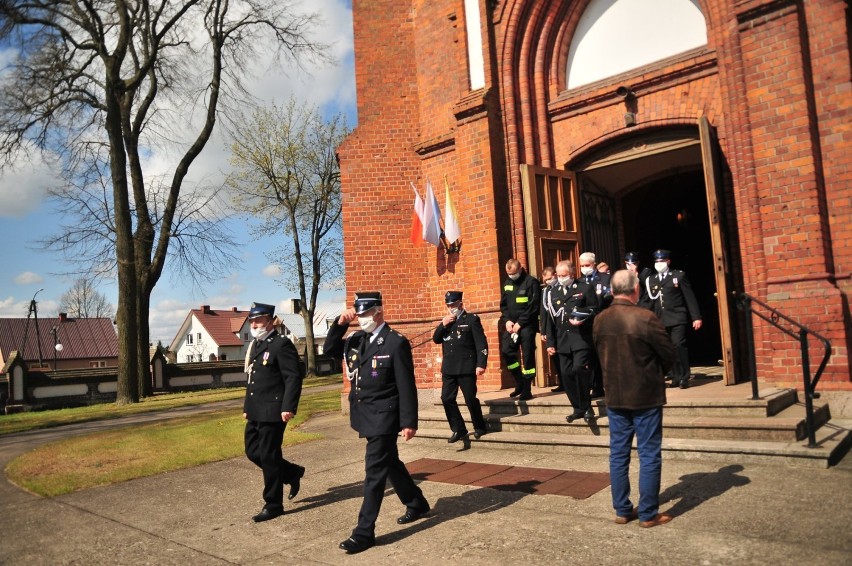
(464, 357)
(631, 264)
(673, 301)
(274, 386)
(382, 403)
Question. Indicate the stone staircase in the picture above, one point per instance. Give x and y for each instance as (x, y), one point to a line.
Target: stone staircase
(707, 421)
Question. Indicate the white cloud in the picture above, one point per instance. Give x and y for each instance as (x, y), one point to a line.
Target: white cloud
(23, 186)
(28, 278)
(272, 270)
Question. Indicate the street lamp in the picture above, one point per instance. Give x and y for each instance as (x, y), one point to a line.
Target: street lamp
(57, 345)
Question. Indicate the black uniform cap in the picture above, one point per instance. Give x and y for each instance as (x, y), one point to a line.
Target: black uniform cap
(581, 313)
(452, 297)
(260, 309)
(662, 254)
(631, 257)
(366, 301)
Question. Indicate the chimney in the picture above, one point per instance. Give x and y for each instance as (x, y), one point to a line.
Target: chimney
(63, 316)
(205, 309)
(234, 309)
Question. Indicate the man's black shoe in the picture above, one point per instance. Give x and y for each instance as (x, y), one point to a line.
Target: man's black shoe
(573, 417)
(296, 483)
(589, 415)
(515, 393)
(558, 389)
(525, 397)
(412, 515)
(352, 546)
(684, 384)
(267, 514)
(456, 437)
(479, 432)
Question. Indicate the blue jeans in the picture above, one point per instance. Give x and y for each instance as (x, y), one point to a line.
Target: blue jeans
(647, 426)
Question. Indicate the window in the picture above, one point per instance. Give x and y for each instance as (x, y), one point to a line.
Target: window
(97, 364)
(189, 339)
(189, 359)
(614, 36)
(245, 336)
(223, 357)
(199, 337)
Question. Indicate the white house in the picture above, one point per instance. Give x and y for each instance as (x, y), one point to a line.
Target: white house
(207, 334)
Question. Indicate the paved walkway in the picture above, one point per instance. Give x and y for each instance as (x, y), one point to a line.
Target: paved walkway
(724, 514)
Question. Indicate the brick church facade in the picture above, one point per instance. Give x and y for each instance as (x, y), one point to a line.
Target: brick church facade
(731, 146)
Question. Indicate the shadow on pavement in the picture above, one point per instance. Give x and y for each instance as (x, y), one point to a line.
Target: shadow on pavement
(695, 489)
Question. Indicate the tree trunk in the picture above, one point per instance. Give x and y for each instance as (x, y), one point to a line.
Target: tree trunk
(310, 349)
(143, 329)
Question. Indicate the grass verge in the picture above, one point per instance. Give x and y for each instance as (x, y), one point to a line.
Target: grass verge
(132, 452)
(20, 422)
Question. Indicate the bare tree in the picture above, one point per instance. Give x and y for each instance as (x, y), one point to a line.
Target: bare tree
(286, 174)
(83, 300)
(100, 83)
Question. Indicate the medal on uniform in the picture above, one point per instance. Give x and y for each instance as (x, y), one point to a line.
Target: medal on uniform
(265, 357)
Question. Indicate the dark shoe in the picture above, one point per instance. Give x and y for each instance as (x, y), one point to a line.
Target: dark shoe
(296, 483)
(589, 415)
(622, 520)
(558, 389)
(352, 546)
(684, 384)
(660, 519)
(267, 514)
(515, 393)
(525, 397)
(573, 417)
(412, 515)
(478, 433)
(457, 436)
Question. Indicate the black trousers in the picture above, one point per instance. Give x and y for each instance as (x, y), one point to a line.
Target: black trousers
(509, 349)
(677, 334)
(450, 390)
(382, 463)
(263, 447)
(576, 371)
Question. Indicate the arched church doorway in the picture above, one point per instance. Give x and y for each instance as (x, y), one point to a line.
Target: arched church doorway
(657, 190)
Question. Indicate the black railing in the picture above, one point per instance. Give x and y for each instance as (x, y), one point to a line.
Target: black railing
(800, 333)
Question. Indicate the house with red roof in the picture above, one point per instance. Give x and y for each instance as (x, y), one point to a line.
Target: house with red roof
(209, 334)
(59, 343)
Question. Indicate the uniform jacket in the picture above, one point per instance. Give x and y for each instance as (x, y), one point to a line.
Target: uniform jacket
(599, 282)
(558, 302)
(383, 395)
(635, 352)
(519, 301)
(275, 376)
(463, 345)
(644, 301)
(672, 298)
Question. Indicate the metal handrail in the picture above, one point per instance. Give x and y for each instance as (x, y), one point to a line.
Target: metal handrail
(801, 334)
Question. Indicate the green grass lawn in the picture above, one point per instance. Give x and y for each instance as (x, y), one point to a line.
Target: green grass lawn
(143, 450)
(20, 422)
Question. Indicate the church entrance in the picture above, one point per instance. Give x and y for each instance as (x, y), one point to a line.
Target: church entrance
(642, 194)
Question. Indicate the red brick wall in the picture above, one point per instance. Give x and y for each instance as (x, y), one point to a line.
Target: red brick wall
(774, 80)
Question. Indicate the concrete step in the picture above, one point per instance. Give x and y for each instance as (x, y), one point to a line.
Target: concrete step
(833, 441)
(789, 425)
(771, 402)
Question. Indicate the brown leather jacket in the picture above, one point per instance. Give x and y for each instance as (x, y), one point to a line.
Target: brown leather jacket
(635, 353)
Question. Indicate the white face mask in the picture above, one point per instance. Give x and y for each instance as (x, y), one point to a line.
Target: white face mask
(552, 282)
(661, 266)
(587, 270)
(258, 333)
(367, 323)
(455, 311)
(515, 276)
(565, 280)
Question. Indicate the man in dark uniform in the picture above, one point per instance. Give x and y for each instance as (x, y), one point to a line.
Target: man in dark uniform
(464, 357)
(598, 280)
(673, 301)
(273, 389)
(570, 307)
(382, 402)
(519, 306)
(548, 279)
(631, 264)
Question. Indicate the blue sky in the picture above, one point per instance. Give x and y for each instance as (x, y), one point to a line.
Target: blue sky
(26, 216)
